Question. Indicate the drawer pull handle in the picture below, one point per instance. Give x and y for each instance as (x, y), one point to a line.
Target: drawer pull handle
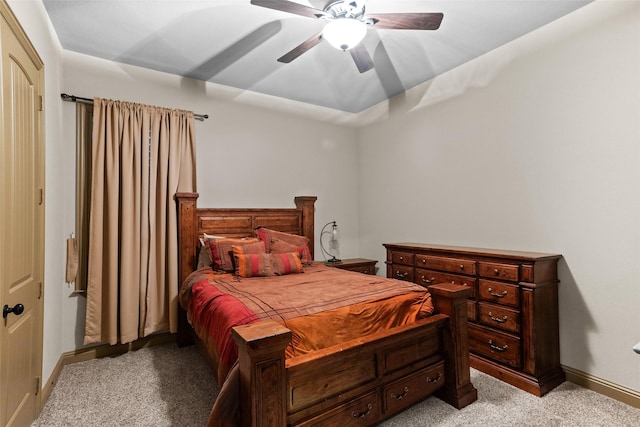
(354, 414)
(502, 295)
(461, 266)
(401, 396)
(401, 258)
(425, 280)
(424, 261)
(495, 270)
(401, 275)
(434, 380)
(496, 319)
(496, 348)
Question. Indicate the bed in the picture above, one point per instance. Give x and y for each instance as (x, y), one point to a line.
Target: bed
(268, 378)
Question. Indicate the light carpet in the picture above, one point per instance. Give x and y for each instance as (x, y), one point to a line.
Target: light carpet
(169, 386)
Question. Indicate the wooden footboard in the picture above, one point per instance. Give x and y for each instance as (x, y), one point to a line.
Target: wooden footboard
(366, 380)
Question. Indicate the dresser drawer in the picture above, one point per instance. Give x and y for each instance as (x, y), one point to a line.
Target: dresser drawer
(405, 258)
(453, 265)
(362, 411)
(430, 277)
(498, 271)
(401, 272)
(495, 345)
(498, 316)
(499, 292)
(410, 389)
(471, 310)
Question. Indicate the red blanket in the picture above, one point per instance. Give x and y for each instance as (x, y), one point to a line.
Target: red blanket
(322, 307)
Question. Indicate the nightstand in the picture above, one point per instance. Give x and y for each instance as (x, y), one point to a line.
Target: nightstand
(360, 265)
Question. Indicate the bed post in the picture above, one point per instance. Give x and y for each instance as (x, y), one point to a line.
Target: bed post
(451, 299)
(187, 228)
(263, 379)
(306, 205)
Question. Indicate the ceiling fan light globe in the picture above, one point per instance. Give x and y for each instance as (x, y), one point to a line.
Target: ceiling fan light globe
(344, 33)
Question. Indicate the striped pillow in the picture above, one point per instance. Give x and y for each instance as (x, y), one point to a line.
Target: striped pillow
(265, 265)
(222, 251)
(286, 263)
(253, 265)
(278, 242)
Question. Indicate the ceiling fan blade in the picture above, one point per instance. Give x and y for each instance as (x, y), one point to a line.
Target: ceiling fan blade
(362, 58)
(289, 6)
(301, 48)
(406, 21)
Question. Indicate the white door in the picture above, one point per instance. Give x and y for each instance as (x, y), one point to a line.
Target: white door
(21, 225)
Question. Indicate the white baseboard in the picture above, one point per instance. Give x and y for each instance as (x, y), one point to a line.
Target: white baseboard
(607, 388)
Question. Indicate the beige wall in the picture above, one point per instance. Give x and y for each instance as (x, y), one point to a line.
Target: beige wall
(252, 151)
(534, 146)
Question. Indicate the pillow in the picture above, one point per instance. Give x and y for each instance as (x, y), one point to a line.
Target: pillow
(222, 251)
(204, 253)
(253, 265)
(266, 265)
(286, 263)
(279, 242)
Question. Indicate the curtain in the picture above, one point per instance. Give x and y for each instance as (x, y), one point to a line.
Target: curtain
(142, 156)
(84, 120)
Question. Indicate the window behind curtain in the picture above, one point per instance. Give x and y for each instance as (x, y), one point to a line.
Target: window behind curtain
(84, 127)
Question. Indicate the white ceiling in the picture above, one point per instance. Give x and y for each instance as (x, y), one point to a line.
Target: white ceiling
(234, 43)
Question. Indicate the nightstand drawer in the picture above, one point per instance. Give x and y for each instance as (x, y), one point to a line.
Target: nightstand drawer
(405, 258)
(495, 345)
(453, 265)
(401, 272)
(359, 265)
(500, 317)
(430, 277)
(498, 271)
(499, 292)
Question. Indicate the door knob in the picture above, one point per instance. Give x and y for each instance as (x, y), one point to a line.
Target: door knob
(18, 309)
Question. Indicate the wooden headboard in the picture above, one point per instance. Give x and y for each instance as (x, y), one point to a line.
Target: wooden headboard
(194, 221)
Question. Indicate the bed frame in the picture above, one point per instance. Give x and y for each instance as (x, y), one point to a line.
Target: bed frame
(361, 382)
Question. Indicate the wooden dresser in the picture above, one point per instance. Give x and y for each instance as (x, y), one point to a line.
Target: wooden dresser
(512, 311)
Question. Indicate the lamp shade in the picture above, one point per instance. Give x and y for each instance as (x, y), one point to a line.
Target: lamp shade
(344, 33)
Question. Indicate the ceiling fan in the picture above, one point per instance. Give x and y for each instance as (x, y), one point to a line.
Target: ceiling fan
(347, 24)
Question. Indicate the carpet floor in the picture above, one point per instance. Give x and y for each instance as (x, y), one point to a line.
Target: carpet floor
(169, 386)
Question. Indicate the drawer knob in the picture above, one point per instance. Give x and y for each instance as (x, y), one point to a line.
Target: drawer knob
(424, 261)
(425, 280)
(493, 294)
(495, 270)
(496, 348)
(400, 396)
(401, 258)
(461, 266)
(355, 414)
(401, 275)
(496, 319)
(434, 380)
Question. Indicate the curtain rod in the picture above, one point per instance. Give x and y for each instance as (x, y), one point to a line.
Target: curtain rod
(73, 98)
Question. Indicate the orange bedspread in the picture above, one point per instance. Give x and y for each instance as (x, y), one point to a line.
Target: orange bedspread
(322, 306)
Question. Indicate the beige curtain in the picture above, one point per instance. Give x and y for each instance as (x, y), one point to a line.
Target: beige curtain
(142, 156)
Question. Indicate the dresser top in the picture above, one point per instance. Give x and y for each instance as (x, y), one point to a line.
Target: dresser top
(517, 255)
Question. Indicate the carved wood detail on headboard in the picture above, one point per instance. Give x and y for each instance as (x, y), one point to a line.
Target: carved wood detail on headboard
(236, 222)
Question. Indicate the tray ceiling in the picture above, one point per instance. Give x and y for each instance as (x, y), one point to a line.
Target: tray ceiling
(234, 43)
